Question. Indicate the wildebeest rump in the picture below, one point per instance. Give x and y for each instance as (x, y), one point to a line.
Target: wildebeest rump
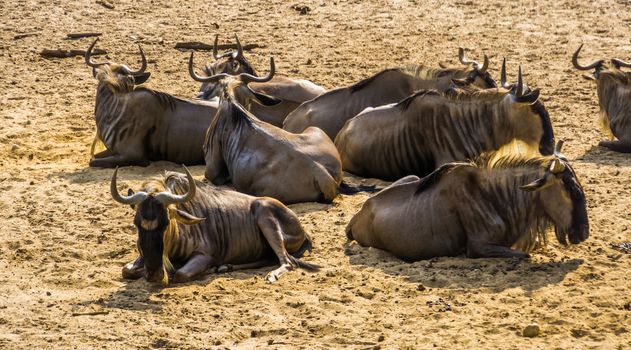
(428, 129)
(614, 98)
(481, 209)
(138, 125)
(261, 159)
(331, 110)
(290, 92)
(205, 228)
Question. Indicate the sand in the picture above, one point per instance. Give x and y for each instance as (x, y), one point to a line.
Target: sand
(64, 240)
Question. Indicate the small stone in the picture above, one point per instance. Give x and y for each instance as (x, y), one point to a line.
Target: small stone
(48, 293)
(381, 338)
(420, 287)
(532, 330)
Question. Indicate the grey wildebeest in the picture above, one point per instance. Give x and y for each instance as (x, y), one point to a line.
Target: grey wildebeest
(332, 109)
(261, 159)
(138, 125)
(614, 98)
(428, 129)
(290, 92)
(489, 208)
(204, 228)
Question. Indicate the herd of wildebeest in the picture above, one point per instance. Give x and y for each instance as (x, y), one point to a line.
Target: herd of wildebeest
(475, 165)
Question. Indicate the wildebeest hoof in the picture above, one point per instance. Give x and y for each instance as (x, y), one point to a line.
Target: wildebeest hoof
(131, 272)
(271, 277)
(224, 268)
(212, 270)
(180, 277)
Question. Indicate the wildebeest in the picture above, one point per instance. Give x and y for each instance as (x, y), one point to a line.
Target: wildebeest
(331, 110)
(428, 129)
(204, 228)
(490, 208)
(138, 125)
(290, 92)
(261, 159)
(614, 98)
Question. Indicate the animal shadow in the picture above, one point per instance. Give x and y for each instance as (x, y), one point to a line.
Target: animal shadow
(131, 173)
(460, 272)
(602, 155)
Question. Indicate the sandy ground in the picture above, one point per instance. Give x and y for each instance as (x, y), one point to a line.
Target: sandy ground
(64, 240)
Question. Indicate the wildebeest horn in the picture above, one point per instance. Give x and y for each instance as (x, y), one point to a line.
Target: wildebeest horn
(167, 198)
(88, 56)
(143, 67)
(247, 78)
(503, 75)
(239, 48)
(461, 57)
(520, 84)
(134, 199)
(557, 148)
(596, 64)
(620, 63)
(485, 65)
(196, 77)
(557, 167)
(215, 53)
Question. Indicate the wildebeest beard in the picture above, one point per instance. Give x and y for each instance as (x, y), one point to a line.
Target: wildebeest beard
(546, 145)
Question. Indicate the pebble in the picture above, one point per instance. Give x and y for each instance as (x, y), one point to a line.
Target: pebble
(532, 330)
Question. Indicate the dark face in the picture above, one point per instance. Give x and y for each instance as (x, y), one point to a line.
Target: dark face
(228, 63)
(151, 220)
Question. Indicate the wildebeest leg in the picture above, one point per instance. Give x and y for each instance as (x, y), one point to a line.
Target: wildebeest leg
(616, 146)
(134, 270)
(118, 160)
(485, 250)
(103, 154)
(255, 265)
(194, 267)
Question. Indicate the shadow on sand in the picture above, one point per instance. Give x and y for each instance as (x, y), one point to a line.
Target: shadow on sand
(131, 173)
(460, 272)
(604, 156)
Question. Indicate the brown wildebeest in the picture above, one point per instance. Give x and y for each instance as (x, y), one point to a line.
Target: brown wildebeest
(428, 129)
(614, 98)
(138, 125)
(290, 92)
(331, 110)
(261, 159)
(484, 209)
(205, 228)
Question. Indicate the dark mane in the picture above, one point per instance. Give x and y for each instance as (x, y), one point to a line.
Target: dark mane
(362, 83)
(238, 114)
(405, 103)
(546, 145)
(435, 176)
(422, 72)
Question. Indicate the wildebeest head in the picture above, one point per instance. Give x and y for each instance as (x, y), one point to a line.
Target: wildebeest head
(118, 77)
(232, 63)
(523, 95)
(224, 85)
(478, 76)
(562, 198)
(156, 220)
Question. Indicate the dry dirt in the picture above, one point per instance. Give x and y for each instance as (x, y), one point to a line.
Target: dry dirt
(64, 240)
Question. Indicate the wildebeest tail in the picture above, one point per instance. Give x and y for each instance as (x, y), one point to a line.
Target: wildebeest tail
(307, 245)
(349, 189)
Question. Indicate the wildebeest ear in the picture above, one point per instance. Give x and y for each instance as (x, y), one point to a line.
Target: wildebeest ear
(529, 98)
(589, 77)
(186, 218)
(130, 192)
(460, 82)
(266, 100)
(141, 78)
(533, 185)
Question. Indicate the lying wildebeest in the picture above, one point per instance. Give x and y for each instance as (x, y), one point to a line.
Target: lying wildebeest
(490, 208)
(138, 125)
(261, 159)
(331, 110)
(428, 129)
(290, 92)
(614, 97)
(206, 228)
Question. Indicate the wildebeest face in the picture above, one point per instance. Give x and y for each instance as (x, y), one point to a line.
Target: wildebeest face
(151, 221)
(563, 200)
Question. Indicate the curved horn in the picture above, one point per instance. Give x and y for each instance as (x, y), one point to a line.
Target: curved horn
(247, 78)
(505, 85)
(88, 56)
(520, 83)
(134, 199)
(143, 67)
(620, 63)
(215, 53)
(558, 147)
(167, 198)
(239, 48)
(196, 77)
(461, 57)
(557, 167)
(485, 64)
(596, 64)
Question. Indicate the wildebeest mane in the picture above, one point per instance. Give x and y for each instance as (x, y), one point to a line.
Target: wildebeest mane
(405, 103)
(435, 176)
(425, 73)
(363, 83)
